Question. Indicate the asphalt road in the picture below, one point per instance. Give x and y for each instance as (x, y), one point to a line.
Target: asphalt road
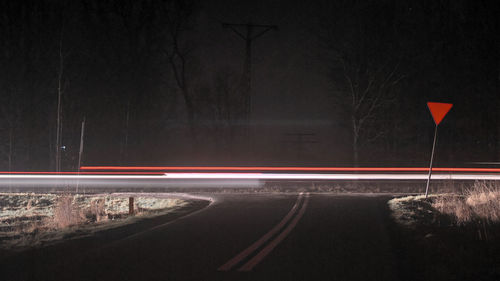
(326, 237)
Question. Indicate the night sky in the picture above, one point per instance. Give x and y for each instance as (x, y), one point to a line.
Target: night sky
(117, 61)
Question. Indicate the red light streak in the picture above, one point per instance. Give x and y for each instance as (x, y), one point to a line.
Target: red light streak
(80, 173)
(161, 170)
(286, 169)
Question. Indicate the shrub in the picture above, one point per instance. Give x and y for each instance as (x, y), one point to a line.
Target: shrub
(482, 201)
(97, 210)
(66, 212)
(455, 206)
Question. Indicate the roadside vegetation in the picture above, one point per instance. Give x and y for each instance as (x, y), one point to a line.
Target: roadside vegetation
(475, 210)
(450, 230)
(482, 202)
(28, 219)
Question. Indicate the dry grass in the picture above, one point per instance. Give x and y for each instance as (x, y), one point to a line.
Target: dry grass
(66, 212)
(27, 219)
(481, 201)
(97, 210)
(411, 210)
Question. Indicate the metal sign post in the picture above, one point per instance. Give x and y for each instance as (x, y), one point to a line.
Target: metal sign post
(432, 158)
(438, 111)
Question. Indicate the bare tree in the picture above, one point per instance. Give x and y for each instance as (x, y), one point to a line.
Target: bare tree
(131, 34)
(178, 15)
(10, 106)
(24, 49)
(369, 94)
(218, 103)
(11, 112)
(226, 100)
(363, 67)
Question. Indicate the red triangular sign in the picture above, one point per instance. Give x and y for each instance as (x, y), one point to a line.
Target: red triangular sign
(439, 110)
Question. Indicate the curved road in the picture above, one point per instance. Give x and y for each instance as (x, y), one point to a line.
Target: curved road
(266, 236)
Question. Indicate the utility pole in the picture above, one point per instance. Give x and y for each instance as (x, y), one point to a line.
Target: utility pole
(248, 32)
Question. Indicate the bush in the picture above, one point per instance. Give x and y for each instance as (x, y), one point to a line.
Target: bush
(97, 210)
(455, 206)
(66, 212)
(482, 201)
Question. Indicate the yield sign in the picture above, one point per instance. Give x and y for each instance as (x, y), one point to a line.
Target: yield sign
(439, 110)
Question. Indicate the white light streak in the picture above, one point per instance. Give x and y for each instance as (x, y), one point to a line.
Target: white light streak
(198, 180)
(289, 176)
(5, 176)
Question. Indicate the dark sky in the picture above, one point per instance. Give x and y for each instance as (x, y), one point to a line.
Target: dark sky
(304, 75)
(286, 70)
(290, 86)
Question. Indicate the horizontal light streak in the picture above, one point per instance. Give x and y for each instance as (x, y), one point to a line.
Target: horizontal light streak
(259, 176)
(118, 181)
(285, 169)
(288, 176)
(81, 173)
(52, 176)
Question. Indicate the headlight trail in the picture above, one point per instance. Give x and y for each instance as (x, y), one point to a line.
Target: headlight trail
(76, 176)
(260, 176)
(133, 181)
(290, 176)
(226, 176)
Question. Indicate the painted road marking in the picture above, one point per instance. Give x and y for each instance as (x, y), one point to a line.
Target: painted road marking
(245, 253)
(264, 252)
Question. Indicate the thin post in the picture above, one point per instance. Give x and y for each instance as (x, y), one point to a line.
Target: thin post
(131, 206)
(59, 105)
(432, 158)
(80, 153)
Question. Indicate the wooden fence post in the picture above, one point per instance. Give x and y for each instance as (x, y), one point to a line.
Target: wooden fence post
(131, 206)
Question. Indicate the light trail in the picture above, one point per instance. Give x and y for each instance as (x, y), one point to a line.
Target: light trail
(288, 169)
(208, 180)
(76, 176)
(134, 181)
(289, 176)
(80, 173)
(258, 176)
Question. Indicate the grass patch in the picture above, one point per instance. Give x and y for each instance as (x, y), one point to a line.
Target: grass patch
(28, 219)
(448, 236)
(480, 202)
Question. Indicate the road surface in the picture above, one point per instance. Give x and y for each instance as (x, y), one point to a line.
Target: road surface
(286, 237)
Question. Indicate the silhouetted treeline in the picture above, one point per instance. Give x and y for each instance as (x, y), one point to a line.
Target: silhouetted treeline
(130, 67)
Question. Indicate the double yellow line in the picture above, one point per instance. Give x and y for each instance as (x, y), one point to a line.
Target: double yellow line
(257, 258)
